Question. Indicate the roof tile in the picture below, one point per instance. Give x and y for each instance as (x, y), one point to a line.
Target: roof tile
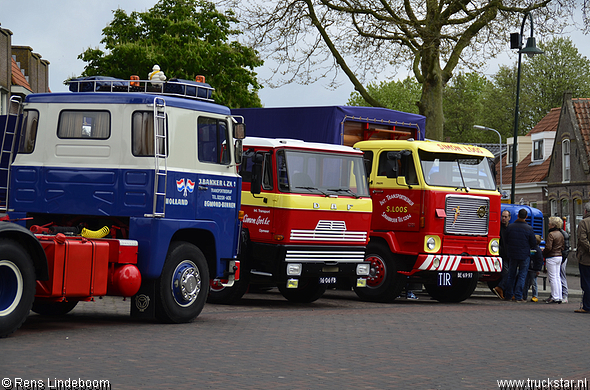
(18, 78)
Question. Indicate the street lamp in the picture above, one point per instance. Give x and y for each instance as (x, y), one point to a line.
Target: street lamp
(530, 49)
(499, 144)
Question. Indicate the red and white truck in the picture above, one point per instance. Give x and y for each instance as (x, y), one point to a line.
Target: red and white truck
(307, 215)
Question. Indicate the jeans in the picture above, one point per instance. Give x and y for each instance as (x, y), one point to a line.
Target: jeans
(516, 278)
(531, 281)
(553, 265)
(504, 274)
(563, 277)
(585, 284)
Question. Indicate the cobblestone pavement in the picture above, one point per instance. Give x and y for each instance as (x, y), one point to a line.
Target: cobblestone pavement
(337, 342)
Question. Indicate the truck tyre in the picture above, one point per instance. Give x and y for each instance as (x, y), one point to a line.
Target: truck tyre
(384, 283)
(183, 287)
(231, 295)
(309, 290)
(46, 308)
(17, 286)
(458, 292)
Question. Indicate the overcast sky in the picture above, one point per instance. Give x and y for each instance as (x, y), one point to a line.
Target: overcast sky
(59, 30)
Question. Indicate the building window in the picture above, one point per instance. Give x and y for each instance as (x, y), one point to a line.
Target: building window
(553, 206)
(578, 211)
(510, 150)
(537, 150)
(565, 214)
(565, 152)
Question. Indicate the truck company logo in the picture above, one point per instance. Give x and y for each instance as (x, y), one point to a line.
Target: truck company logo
(482, 211)
(185, 187)
(457, 213)
(256, 221)
(333, 206)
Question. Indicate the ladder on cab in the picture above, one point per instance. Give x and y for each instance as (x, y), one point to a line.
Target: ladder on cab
(160, 158)
(7, 149)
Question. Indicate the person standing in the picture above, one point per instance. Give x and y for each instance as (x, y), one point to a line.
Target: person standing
(564, 257)
(534, 268)
(583, 255)
(552, 253)
(499, 289)
(520, 240)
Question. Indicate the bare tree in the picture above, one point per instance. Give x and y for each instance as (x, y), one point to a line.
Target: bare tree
(313, 39)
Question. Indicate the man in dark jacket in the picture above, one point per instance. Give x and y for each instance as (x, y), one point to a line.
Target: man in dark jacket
(520, 240)
(499, 289)
(583, 254)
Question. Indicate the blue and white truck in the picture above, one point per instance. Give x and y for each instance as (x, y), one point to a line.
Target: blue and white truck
(118, 187)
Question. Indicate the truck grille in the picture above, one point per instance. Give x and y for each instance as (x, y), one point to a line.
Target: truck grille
(328, 256)
(329, 231)
(467, 215)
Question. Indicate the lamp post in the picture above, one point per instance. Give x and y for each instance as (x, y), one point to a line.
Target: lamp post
(499, 144)
(530, 49)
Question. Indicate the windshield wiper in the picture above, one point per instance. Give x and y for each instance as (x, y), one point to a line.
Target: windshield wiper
(314, 189)
(462, 179)
(347, 190)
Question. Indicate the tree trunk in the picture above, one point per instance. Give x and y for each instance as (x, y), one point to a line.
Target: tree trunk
(431, 101)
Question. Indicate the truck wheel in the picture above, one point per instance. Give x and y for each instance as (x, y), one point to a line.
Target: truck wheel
(230, 295)
(309, 290)
(384, 283)
(17, 286)
(45, 308)
(184, 284)
(458, 292)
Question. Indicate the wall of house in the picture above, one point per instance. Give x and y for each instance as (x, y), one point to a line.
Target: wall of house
(5, 67)
(566, 197)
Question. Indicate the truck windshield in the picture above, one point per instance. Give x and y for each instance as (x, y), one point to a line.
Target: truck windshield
(456, 170)
(321, 173)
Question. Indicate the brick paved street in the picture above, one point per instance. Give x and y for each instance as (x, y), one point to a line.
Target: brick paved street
(337, 342)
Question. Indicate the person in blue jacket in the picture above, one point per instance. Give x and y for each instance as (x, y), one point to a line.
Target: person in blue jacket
(520, 240)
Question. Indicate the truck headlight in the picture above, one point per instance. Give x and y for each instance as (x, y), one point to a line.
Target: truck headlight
(363, 269)
(430, 243)
(294, 269)
(494, 246)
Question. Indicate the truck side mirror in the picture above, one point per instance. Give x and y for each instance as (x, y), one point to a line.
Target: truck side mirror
(256, 179)
(239, 130)
(239, 151)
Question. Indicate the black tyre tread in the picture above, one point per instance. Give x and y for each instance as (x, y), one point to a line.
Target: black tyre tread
(166, 308)
(13, 251)
(394, 282)
(309, 291)
(460, 291)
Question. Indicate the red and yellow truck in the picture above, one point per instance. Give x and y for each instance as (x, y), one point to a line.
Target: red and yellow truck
(436, 218)
(307, 215)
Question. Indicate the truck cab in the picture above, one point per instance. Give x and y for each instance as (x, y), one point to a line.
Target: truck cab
(307, 214)
(436, 215)
(141, 163)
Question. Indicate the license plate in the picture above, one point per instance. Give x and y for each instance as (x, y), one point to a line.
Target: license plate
(464, 275)
(328, 280)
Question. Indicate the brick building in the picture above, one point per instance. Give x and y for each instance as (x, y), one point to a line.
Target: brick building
(21, 70)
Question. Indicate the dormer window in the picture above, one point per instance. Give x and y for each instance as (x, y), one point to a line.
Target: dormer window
(510, 150)
(538, 150)
(565, 160)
